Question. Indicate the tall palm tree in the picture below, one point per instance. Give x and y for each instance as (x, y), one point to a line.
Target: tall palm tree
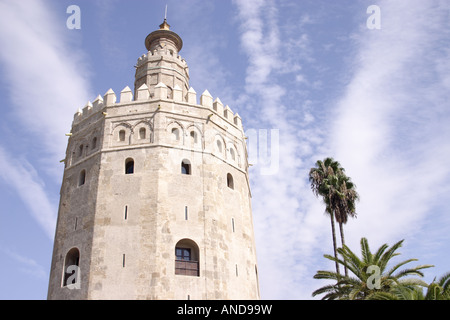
(343, 203)
(365, 283)
(322, 177)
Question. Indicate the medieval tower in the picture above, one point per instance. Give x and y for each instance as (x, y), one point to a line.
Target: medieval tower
(155, 198)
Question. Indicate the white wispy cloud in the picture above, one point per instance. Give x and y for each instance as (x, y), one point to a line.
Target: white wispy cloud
(47, 82)
(24, 180)
(389, 130)
(282, 229)
(46, 78)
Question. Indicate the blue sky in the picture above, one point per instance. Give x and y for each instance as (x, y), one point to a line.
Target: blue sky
(308, 72)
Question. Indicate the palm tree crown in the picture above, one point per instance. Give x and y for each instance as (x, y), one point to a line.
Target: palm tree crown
(371, 277)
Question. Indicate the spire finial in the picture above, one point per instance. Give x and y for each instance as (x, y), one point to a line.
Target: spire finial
(165, 25)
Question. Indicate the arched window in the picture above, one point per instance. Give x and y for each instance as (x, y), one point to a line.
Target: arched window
(129, 166)
(122, 135)
(80, 150)
(219, 146)
(82, 178)
(230, 182)
(233, 155)
(187, 258)
(94, 143)
(194, 137)
(176, 134)
(186, 167)
(142, 133)
(71, 264)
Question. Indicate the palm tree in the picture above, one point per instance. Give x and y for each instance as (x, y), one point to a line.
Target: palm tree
(371, 278)
(439, 290)
(321, 178)
(328, 179)
(345, 197)
(435, 291)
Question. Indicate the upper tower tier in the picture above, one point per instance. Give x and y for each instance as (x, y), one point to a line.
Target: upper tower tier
(162, 62)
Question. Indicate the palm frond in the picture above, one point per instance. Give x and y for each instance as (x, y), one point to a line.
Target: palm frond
(365, 251)
(398, 265)
(413, 271)
(389, 254)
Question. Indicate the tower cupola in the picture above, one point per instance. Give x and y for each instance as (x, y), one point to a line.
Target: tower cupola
(162, 63)
(164, 37)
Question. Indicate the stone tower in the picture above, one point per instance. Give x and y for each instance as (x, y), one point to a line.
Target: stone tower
(155, 199)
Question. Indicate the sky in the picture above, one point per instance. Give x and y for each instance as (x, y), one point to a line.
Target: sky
(310, 79)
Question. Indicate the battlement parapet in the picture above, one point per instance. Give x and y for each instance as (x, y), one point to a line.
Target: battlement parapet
(157, 54)
(160, 93)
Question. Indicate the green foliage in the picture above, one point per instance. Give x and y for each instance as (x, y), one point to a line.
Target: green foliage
(371, 278)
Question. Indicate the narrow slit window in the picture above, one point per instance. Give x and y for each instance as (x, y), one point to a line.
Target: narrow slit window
(230, 181)
(126, 213)
(82, 178)
(123, 260)
(232, 224)
(186, 213)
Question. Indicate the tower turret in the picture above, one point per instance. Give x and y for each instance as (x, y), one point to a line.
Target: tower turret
(155, 198)
(162, 62)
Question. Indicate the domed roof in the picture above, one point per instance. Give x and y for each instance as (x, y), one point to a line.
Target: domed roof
(164, 32)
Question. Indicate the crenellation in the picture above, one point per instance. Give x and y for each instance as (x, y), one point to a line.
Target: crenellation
(191, 96)
(126, 95)
(206, 99)
(228, 114)
(218, 106)
(237, 120)
(98, 103)
(109, 98)
(177, 93)
(87, 110)
(160, 53)
(143, 93)
(161, 91)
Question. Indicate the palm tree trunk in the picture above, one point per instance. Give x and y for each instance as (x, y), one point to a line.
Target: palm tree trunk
(333, 232)
(341, 230)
